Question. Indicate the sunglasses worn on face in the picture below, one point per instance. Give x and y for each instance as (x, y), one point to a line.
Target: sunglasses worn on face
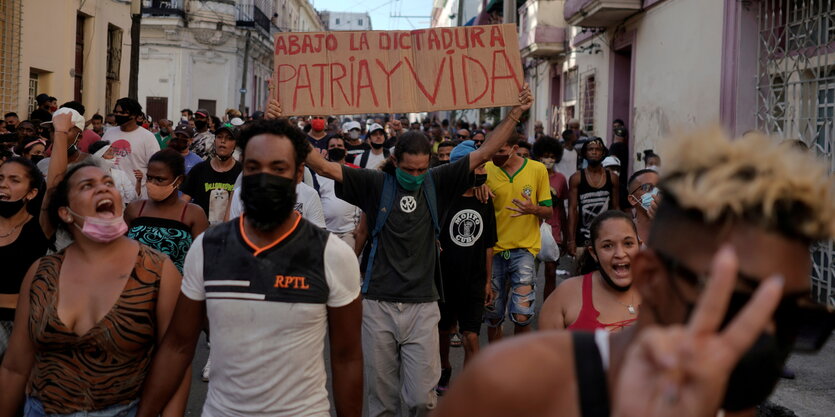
(812, 321)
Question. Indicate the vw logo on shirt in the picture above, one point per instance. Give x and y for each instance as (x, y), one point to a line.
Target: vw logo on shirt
(466, 227)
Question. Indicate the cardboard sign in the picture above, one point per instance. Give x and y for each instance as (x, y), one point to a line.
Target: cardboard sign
(331, 73)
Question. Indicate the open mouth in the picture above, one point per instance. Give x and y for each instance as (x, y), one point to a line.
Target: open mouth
(106, 209)
(621, 269)
(4, 196)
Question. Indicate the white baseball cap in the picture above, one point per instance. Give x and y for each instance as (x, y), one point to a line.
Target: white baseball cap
(374, 127)
(351, 125)
(611, 161)
(236, 121)
(76, 117)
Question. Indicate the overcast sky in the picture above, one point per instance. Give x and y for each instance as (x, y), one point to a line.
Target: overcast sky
(382, 10)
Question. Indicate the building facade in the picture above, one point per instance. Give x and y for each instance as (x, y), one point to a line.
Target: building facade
(90, 66)
(345, 20)
(663, 66)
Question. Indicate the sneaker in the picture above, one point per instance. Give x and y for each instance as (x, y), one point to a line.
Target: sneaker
(443, 383)
(455, 340)
(206, 369)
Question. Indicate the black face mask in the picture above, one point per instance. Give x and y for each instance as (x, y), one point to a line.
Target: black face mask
(11, 128)
(439, 163)
(121, 119)
(336, 154)
(178, 145)
(10, 208)
(500, 160)
(164, 132)
(609, 281)
(200, 124)
(377, 145)
(36, 158)
(480, 179)
(268, 199)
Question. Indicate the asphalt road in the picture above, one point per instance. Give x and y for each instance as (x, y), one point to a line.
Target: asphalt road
(811, 394)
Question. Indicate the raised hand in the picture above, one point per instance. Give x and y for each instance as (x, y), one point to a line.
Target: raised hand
(683, 370)
(273, 110)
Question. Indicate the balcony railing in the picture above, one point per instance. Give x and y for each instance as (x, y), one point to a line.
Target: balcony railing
(255, 13)
(163, 8)
(599, 13)
(541, 28)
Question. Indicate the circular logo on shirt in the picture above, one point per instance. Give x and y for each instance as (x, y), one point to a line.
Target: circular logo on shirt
(408, 204)
(466, 227)
(527, 190)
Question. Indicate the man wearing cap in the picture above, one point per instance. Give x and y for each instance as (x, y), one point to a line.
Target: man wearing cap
(133, 144)
(469, 232)
(353, 141)
(612, 164)
(210, 183)
(181, 141)
(204, 140)
(42, 113)
(376, 153)
(620, 150)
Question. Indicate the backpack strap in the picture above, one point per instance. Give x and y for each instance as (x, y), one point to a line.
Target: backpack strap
(432, 201)
(364, 158)
(591, 377)
(386, 204)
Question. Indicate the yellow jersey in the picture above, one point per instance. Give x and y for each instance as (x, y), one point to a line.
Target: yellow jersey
(530, 181)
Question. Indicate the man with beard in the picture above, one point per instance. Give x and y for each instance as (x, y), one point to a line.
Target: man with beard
(210, 183)
(203, 137)
(272, 285)
(728, 254)
(377, 154)
(591, 191)
(180, 142)
(133, 144)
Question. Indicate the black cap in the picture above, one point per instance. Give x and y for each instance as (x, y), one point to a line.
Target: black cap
(228, 127)
(184, 129)
(42, 98)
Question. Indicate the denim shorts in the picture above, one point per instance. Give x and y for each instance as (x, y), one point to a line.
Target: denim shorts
(511, 269)
(34, 408)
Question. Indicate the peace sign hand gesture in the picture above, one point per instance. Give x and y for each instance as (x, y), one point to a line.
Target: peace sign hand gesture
(683, 370)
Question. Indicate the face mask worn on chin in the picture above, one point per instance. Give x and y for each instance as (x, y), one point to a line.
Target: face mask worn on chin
(548, 162)
(609, 281)
(159, 192)
(500, 160)
(10, 208)
(409, 182)
(101, 230)
(377, 145)
(268, 199)
(336, 154)
(646, 199)
(121, 119)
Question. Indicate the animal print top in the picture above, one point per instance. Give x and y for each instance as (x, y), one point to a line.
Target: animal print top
(107, 365)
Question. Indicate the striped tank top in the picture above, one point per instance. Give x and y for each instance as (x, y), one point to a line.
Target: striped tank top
(107, 365)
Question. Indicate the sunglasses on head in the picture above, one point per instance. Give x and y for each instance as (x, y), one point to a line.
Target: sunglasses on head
(813, 322)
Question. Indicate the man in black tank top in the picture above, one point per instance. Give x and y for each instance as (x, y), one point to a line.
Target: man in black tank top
(591, 191)
(272, 285)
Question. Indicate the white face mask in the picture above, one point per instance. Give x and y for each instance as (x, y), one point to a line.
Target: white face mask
(653, 167)
(548, 162)
(301, 125)
(355, 134)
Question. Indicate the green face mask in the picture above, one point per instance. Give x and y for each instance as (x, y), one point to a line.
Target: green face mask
(409, 182)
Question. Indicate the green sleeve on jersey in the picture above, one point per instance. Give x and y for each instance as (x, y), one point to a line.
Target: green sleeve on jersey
(546, 203)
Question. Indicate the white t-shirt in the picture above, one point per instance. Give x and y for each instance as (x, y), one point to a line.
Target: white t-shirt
(568, 164)
(133, 149)
(307, 203)
(374, 161)
(340, 217)
(267, 357)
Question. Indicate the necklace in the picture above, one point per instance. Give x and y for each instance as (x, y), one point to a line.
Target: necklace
(14, 228)
(600, 181)
(629, 307)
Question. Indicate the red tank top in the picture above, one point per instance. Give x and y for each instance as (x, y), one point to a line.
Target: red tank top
(587, 319)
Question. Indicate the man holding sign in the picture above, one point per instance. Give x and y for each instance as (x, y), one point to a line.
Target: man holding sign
(401, 286)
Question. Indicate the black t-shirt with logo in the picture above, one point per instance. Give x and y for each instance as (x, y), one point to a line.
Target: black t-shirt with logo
(468, 231)
(406, 262)
(210, 189)
(354, 151)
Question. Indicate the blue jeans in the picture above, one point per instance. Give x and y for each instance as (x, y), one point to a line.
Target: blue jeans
(34, 408)
(512, 269)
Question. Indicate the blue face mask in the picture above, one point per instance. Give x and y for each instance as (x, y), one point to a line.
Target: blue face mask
(409, 182)
(646, 199)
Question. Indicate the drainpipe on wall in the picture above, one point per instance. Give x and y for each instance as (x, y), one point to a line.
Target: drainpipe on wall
(508, 16)
(135, 22)
(242, 105)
